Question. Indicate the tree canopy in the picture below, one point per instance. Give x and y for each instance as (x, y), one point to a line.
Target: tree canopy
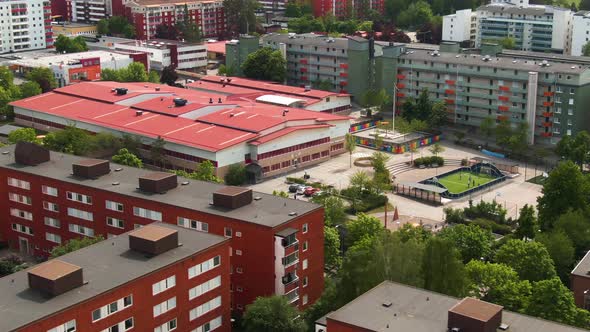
(135, 72)
(124, 157)
(473, 242)
(73, 245)
(116, 25)
(442, 267)
(265, 64)
(530, 260)
(23, 135)
(272, 314)
(70, 140)
(42, 76)
(65, 44)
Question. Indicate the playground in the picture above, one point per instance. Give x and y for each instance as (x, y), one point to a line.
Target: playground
(463, 180)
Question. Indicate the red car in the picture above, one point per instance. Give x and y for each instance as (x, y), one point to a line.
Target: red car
(309, 191)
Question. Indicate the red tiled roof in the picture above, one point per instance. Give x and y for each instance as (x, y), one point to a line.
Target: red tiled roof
(217, 47)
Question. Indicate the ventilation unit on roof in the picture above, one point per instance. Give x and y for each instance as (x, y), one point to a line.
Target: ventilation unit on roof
(55, 277)
(138, 113)
(91, 168)
(504, 326)
(307, 88)
(179, 102)
(121, 91)
(232, 197)
(31, 154)
(486, 58)
(153, 240)
(157, 182)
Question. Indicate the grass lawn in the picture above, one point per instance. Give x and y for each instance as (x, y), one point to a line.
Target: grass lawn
(458, 182)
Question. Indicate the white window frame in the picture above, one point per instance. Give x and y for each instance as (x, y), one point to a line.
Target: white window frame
(22, 229)
(20, 198)
(69, 326)
(52, 222)
(167, 327)
(19, 183)
(50, 206)
(163, 285)
(210, 325)
(164, 307)
(147, 214)
(80, 214)
(204, 288)
(79, 229)
(204, 308)
(227, 232)
(55, 238)
(192, 224)
(305, 245)
(305, 228)
(305, 264)
(114, 206)
(120, 327)
(51, 191)
(203, 267)
(115, 222)
(111, 308)
(21, 214)
(80, 198)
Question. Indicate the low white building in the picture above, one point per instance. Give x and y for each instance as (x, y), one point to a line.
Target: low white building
(460, 26)
(25, 25)
(164, 53)
(580, 32)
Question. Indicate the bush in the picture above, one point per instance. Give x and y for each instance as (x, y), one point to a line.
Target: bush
(367, 202)
(236, 175)
(430, 160)
(295, 180)
(493, 226)
(464, 162)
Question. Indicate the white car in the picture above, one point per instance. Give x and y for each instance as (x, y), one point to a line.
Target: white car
(301, 189)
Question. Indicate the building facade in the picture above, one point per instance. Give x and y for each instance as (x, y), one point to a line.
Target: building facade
(74, 30)
(88, 11)
(547, 93)
(168, 53)
(123, 284)
(343, 9)
(27, 25)
(580, 282)
(536, 28)
(276, 243)
(147, 15)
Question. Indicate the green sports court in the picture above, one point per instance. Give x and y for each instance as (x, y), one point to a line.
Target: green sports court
(460, 181)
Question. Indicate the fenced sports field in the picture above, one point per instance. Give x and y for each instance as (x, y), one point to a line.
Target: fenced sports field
(463, 180)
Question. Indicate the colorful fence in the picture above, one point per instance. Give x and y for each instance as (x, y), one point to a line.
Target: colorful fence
(363, 126)
(401, 147)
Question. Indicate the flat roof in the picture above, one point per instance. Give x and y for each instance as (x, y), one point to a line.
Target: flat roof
(216, 47)
(67, 59)
(311, 39)
(279, 100)
(419, 310)
(476, 309)
(106, 265)
(269, 211)
(157, 43)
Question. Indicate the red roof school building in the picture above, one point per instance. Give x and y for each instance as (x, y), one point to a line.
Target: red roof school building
(158, 278)
(276, 244)
(196, 125)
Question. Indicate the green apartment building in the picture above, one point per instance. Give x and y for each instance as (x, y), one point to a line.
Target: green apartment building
(549, 92)
(237, 51)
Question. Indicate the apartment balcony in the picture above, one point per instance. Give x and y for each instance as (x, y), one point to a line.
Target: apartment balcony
(449, 101)
(293, 296)
(504, 88)
(344, 65)
(502, 117)
(401, 76)
(503, 108)
(401, 85)
(547, 124)
(548, 93)
(450, 82)
(449, 92)
(503, 98)
(547, 134)
(547, 114)
(547, 103)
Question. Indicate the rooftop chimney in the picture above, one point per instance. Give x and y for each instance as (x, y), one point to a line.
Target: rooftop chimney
(219, 100)
(31, 154)
(232, 197)
(472, 315)
(210, 100)
(91, 168)
(55, 277)
(153, 240)
(158, 182)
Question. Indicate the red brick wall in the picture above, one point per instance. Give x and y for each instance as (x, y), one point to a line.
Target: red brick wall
(144, 301)
(579, 285)
(336, 326)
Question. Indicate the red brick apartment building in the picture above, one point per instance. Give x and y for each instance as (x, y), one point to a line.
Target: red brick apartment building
(580, 282)
(158, 278)
(276, 243)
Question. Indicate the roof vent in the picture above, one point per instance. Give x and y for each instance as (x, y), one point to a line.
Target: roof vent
(184, 183)
(157, 182)
(232, 197)
(5, 152)
(219, 100)
(307, 88)
(504, 326)
(210, 100)
(179, 102)
(138, 113)
(474, 315)
(157, 88)
(291, 214)
(387, 304)
(91, 168)
(153, 240)
(118, 169)
(257, 198)
(486, 58)
(55, 277)
(121, 91)
(116, 183)
(31, 154)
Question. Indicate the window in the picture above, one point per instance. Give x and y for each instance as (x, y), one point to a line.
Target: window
(204, 267)
(558, 110)
(111, 308)
(209, 326)
(21, 214)
(164, 306)
(19, 198)
(569, 132)
(163, 285)
(572, 91)
(79, 197)
(50, 206)
(205, 308)
(571, 101)
(227, 231)
(193, 224)
(114, 222)
(305, 264)
(305, 246)
(122, 326)
(22, 229)
(114, 206)
(80, 214)
(238, 252)
(52, 222)
(290, 259)
(81, 230)
(305, 281)
(570, 111)
(53, 237)
(19, 183)
(47, 190)
(238, 234)
(305, 228)
(166, 327)
(66, 327)
(204, 287)
(148, 214)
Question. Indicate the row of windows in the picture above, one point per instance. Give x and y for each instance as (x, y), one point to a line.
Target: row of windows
(205, 308)
(292, 148)
(148, 214)
(112, 308)
(85, 199)
(193, 224)
(81, 230)
(167, 327)
(163, 285)
(204, 267)
(164, 306)
(53, 238)
(22, 229)
(19, 183)
(66, 327)
(125, 325)
(204, 288)
(209, 326)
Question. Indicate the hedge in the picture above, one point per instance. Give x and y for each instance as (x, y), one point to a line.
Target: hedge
(426, 161)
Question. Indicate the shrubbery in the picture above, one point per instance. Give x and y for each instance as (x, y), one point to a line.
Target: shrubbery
(431, 160)
(366, 201)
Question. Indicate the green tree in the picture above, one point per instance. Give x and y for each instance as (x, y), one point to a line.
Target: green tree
(498, 283)
(409, 232)
(69, 140)
(6, 78)
(240, 16)
(280, 194)
(350, 145)
(265, 64)
(124, 157)
(6, 97)
(30, 89)
(135, 72)
(360, 180)
(44, 77)
(442, 267)
(576, 149)
(226, 71)
(417, 13)
(508, 43)
(334, 213)
(566, 188)
(473, 242)
(131, 143)
(529, 259)
(236, 175)
(551, 300)
(73, 245)
(363, 226)
(332, 246)
(169, 76)
(438, 115)
(23, 135)
(102, 27)
(154, 77)
(586, 48)
(436, 148)
(272, 314)
(205, 171)
(292, 9)
(486, 127)
(157, 151)
(503, 133)
(561, 250)
(527, 223)
(381, 175)
(108, 74)
(576, 226)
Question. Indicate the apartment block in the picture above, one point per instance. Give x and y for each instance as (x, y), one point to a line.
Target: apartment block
(343, 8)
(537, 28)
(346, 63)
(276, 244)
(146, 15)
(26, 25)
(156, 278)
(547, 92)
(391, 306)
(168, 53)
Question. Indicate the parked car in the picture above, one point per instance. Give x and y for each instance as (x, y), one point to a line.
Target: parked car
(293, 188)
(309, 191)
(301, 189)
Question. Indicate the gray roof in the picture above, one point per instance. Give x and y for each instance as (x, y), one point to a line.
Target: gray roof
(501, 61)
(7, 129)
(419, 310)
(269, 210)
(583, 267)
(514, 9)
(307, 39)
(106, 265)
